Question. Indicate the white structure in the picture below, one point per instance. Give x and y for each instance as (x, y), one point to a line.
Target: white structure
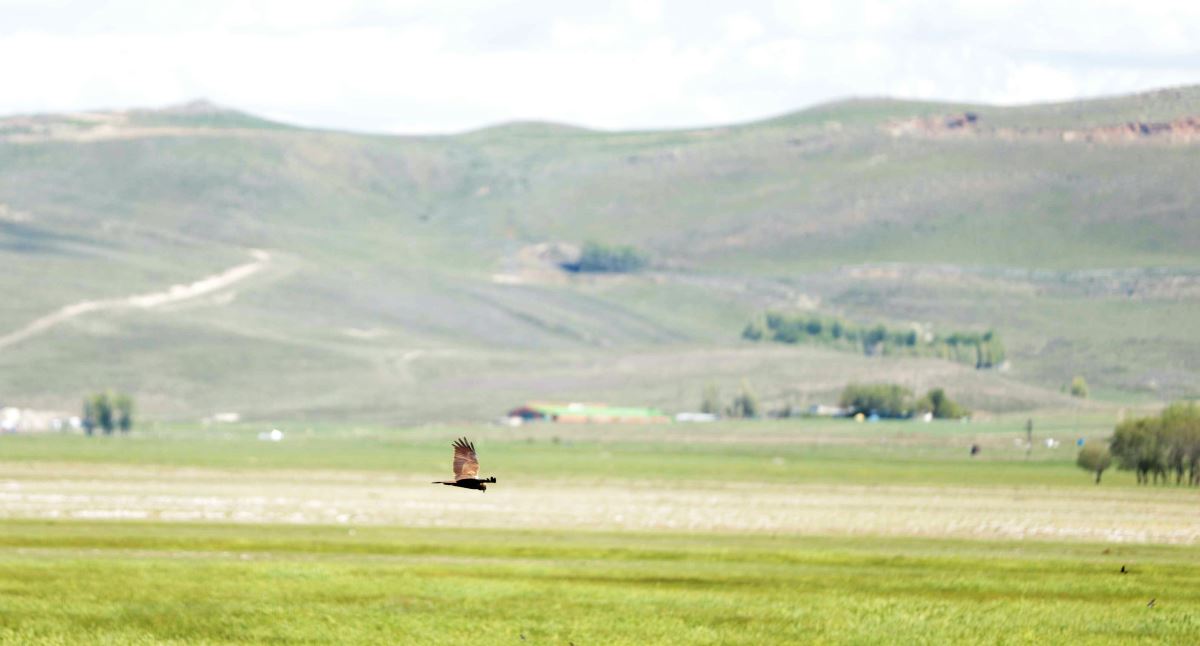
(695, 417)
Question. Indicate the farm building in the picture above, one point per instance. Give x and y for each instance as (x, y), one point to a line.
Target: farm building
(576, 413)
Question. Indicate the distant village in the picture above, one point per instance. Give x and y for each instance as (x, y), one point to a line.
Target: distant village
(26, 420)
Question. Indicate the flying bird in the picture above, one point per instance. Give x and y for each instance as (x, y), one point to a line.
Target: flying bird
(466, 468)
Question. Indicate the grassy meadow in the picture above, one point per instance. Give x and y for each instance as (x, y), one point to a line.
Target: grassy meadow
(792, 531)
(407, 289)
(134, 583)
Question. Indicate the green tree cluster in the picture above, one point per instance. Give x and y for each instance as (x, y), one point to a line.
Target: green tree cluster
(981, 349)
(108, 412)
(942, 407)
(896, 401)
(601, 258)
(1154, 447)
(884, 400)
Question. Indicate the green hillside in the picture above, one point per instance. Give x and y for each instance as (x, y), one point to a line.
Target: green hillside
(412, 278)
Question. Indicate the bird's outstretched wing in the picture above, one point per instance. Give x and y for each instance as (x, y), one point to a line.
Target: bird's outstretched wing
(465, 463)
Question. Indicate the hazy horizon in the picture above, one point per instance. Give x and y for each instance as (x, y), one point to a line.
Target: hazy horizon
(421, 67)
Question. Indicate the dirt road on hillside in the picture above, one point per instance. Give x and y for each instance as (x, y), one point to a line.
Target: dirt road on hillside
(176, 294)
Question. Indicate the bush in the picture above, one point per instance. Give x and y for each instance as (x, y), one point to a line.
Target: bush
(1079, 387)
(752, 332)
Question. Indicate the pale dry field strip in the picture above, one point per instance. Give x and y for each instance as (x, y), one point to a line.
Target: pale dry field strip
(63, 491)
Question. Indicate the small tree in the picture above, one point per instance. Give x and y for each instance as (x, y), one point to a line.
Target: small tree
(1028, 437)
(102, 405)
(710, 400)
(89, 416)
(745, 404)
(1095, 458)
(1079, 387)
(752, 332)
(123, 404)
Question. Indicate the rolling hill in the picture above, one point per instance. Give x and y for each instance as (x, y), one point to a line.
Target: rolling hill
(415, 278)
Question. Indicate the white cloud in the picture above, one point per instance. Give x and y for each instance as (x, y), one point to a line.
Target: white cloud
(425, 65)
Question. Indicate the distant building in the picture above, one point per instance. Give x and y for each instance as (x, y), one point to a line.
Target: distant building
(577, 413)
(28, 420)
(821, 410)
(9, 419)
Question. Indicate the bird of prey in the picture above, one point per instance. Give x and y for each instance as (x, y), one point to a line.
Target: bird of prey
(466, 468)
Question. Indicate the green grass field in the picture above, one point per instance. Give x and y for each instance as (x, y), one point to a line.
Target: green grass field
(797, 531)
(406, 289)
(119, 583)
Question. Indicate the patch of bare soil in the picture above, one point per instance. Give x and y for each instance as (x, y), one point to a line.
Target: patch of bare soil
(538, 264)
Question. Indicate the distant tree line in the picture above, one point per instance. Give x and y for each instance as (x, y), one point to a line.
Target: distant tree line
(896, 401)
(601, 258)
(108, 412)
(884, 400)
(1154, 447)
(981, 349)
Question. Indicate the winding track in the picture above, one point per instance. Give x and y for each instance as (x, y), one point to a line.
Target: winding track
(175, 294)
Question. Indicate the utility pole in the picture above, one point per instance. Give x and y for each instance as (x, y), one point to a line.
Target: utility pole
(1028, 437)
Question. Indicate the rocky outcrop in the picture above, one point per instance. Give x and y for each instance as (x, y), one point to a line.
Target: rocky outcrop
(1185, 130)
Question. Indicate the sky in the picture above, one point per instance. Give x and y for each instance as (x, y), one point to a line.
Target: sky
(429, 66)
